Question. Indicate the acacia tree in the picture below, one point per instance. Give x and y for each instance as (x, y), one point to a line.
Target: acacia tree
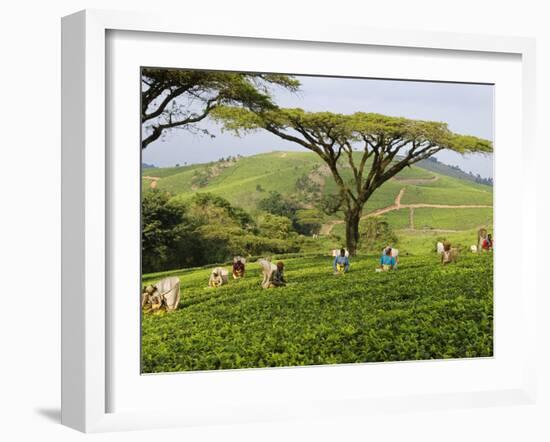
(175, 98)
(361, 149)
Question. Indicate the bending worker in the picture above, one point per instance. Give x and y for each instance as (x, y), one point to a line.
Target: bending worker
(277, 276)
(387, 261)
(341, 262)
(238, 267)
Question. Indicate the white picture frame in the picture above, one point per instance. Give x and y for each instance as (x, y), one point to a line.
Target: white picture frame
(86, 352)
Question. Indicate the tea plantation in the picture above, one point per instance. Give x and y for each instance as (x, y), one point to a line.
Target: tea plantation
(421, 311)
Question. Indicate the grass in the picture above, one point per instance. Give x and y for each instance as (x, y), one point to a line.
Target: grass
(421, 311)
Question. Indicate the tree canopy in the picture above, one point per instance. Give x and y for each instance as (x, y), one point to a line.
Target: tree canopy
(176, 98)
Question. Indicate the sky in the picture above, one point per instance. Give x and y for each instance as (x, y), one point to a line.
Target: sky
(466, 108)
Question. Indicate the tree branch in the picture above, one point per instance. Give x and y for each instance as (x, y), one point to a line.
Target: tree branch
(157, 129)
(162, 106)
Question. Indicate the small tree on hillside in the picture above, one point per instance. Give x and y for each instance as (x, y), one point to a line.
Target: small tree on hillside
(274, 226)
(376, 234)
(367, 144)
(177, 98)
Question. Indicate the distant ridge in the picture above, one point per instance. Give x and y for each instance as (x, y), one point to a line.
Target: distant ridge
(433, 165)
(148, 166)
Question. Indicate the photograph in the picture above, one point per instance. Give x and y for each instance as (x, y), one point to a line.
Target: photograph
(296, 220)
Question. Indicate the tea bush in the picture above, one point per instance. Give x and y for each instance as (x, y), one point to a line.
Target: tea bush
(421, 311)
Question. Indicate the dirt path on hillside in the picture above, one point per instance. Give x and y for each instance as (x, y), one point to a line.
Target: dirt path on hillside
(440, 230)
(416, 181)
(153, 180)
(430, 230)
(327, 227)
(446, 206)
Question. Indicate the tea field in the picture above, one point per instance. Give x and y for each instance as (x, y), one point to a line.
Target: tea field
(421, 311)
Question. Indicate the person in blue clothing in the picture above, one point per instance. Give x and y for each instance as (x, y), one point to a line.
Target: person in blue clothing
(387, 261)
(341, 263)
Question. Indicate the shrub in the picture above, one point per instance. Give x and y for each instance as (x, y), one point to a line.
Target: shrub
(375, 234)
(273, 226)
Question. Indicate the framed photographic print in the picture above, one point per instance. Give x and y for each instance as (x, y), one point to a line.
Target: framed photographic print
(380, 251)
(268, 223)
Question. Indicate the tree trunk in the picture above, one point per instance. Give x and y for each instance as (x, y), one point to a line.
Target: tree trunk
(352, 231)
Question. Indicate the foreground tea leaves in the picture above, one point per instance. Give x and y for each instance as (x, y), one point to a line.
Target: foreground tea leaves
(422, 311)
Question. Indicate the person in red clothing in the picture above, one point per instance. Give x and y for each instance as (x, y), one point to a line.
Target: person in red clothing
(238, 268)
(487, 243)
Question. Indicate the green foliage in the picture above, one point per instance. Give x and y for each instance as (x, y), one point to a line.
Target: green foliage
(220, 243)
(273, 226)
(161, 221)
(172, 98)
(375, 234)
(309, 221)
(277, 204)
(331, 203)
(303, 221)
(308, 189)
(205, 205)
(422, 311)
(350, 128)
(200, 178)
(223, 231)
(208, 229)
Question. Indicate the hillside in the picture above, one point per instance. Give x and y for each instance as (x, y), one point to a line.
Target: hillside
(417, 202)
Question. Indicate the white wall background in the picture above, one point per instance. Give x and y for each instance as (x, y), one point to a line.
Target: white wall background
(30, 214)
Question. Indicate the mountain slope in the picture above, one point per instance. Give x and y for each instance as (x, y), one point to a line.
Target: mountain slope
(245, 181)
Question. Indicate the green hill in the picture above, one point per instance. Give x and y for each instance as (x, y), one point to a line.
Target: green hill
(245, 181)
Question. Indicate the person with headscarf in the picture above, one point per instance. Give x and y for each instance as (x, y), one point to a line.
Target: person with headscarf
(341, 263)
(218, 277)
(387, 261)
(278, 277)
(238, 267)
